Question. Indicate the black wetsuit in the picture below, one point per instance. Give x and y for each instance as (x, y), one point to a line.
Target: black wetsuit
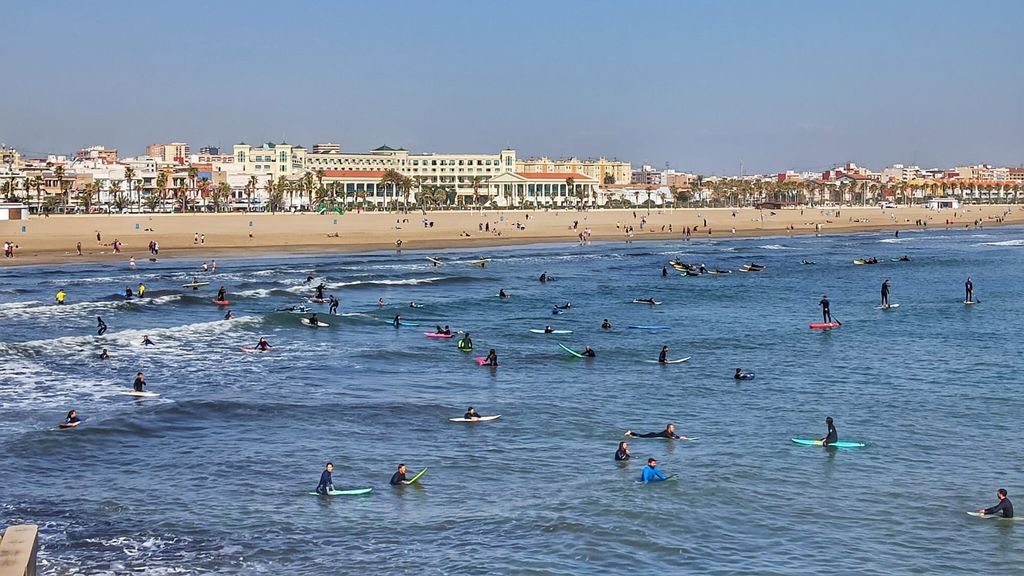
(471, 415)
(263, 346)
(492, 360)
(104, 355)
(1004, 506)
(831, 437)
(139, 384)
(826, 314)
(589, 353)
(969, 290)
(334, 305)
(220, 295)
(662, 434)
(101, 327)
(621, 455)
(397, 478)
(663, 357)
(326, 483)
(885, 293)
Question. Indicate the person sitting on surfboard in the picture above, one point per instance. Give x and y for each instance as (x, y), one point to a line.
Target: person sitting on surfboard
(104, 355)
(465, 343)
(140, 382)
(334, 305)
(606, 325)
(623, 452)
(832, 436)
(220, 294)
(491, 359)
(439, 330)
(1004, 506)
(826, 314)
(651, 472)
(313, 320)
(127, 293)
(399, 476)
(588, 351)
(969, 290)
(397, 321)
(471, 414)
(73, 420)
(663, 357)
(548, 329)
(263, 344)
(668, 432)
(146, 341)
(326, 479)
(501, 294)
(447, 331)
(739, 374)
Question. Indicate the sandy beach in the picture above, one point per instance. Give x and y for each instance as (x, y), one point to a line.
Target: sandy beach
(54, 239)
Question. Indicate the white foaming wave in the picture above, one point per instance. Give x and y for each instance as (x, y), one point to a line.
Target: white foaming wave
(406, 282)
(257, 293)
(163, 299)
(1003, 243)
(774, 247)
(18, 305)
(894, 240)
(55, 310)
(27, 383)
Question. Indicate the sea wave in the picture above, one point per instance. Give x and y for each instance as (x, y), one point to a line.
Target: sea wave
(1003, 243)
(775, 247)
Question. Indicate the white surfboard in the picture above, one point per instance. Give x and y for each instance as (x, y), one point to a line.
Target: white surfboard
(538, 331)
(140, 394)
(889, 307)
(998, 516)
(319, 323)
(480, 419)
(678, 361)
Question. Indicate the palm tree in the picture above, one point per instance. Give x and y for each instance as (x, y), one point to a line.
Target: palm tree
(220, 194)
(161, 185)
(475, 182)
(129, 176)
(283, 187)
(88, 194)
(203, 190)
(193, 172)
(270, 188)
(250, 190)
(118, 199)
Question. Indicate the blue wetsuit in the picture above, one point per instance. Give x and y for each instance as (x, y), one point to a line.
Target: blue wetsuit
(651, 474)
(326, 483)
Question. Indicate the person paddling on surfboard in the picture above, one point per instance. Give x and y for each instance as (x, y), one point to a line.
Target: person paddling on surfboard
(623, 452)
(398, 478)
(491, 359)
(73, 420)
(140, 382)
(826, 313)
(885, 293)
(146, 341)
(1004, 506)
(968, 290)
(668, 432)
(263, 344)
(651, 472)
(326, 480)
(831, 436)
(471, 414)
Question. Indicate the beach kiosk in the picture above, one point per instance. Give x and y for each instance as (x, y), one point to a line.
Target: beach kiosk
(13, 211)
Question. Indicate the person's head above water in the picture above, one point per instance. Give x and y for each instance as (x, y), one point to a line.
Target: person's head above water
(652, 462)
(828, 420)
(1001, 493)
(330, 466)
(623, 445)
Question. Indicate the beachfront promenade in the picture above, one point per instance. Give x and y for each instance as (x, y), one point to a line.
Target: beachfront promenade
(18, 548)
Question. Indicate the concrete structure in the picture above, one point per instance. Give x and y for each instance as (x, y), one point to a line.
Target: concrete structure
(19, 546)
(601, 169)
(646, 175)
(273, 160)
(13, 211)
(177, 152)
(940, 203)
(327, 148)
(105, 155)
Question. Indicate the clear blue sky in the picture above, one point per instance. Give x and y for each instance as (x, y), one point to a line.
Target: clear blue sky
(698, 84)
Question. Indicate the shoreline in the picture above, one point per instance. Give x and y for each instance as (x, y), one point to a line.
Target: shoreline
(52, 240)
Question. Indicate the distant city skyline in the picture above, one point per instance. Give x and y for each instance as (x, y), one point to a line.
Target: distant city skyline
(699, 85)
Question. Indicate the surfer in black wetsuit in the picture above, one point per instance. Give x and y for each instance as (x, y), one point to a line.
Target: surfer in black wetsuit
(397, 321)
(334, 305)
(664, 272)
(101, 326)
(832, 436)
(127, 293)
(502, 294)
(548, 329)
(885, 293)
(146, 341)
(263, 344)
(229, 316)
(326, 480)
(320, 292)
(313, 321)
(471, 414)
(492, 358)
(399, 476)
(668, 432)
(221, 294)
(663, 357)
(104, 355)
(543, 277)
(968, 290)
(623, 452)
(589, 352)
(140, 382)
(826, 314)
(606, 325)
(1004, 506)
(309, 278)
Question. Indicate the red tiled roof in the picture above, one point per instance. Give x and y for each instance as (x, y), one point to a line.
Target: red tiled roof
(378, 174)
(552, 175)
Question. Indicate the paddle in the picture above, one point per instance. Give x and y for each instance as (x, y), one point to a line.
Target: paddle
(836, 320)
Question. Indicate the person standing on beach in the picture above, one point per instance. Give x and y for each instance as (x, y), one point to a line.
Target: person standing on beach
(885, 293)
(79, 248)
(968, 290)
(826, 313)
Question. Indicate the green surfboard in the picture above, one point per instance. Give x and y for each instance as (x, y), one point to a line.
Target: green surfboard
(416, 478)
(570, 350)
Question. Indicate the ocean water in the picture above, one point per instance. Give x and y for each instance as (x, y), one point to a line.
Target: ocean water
(213, 476)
